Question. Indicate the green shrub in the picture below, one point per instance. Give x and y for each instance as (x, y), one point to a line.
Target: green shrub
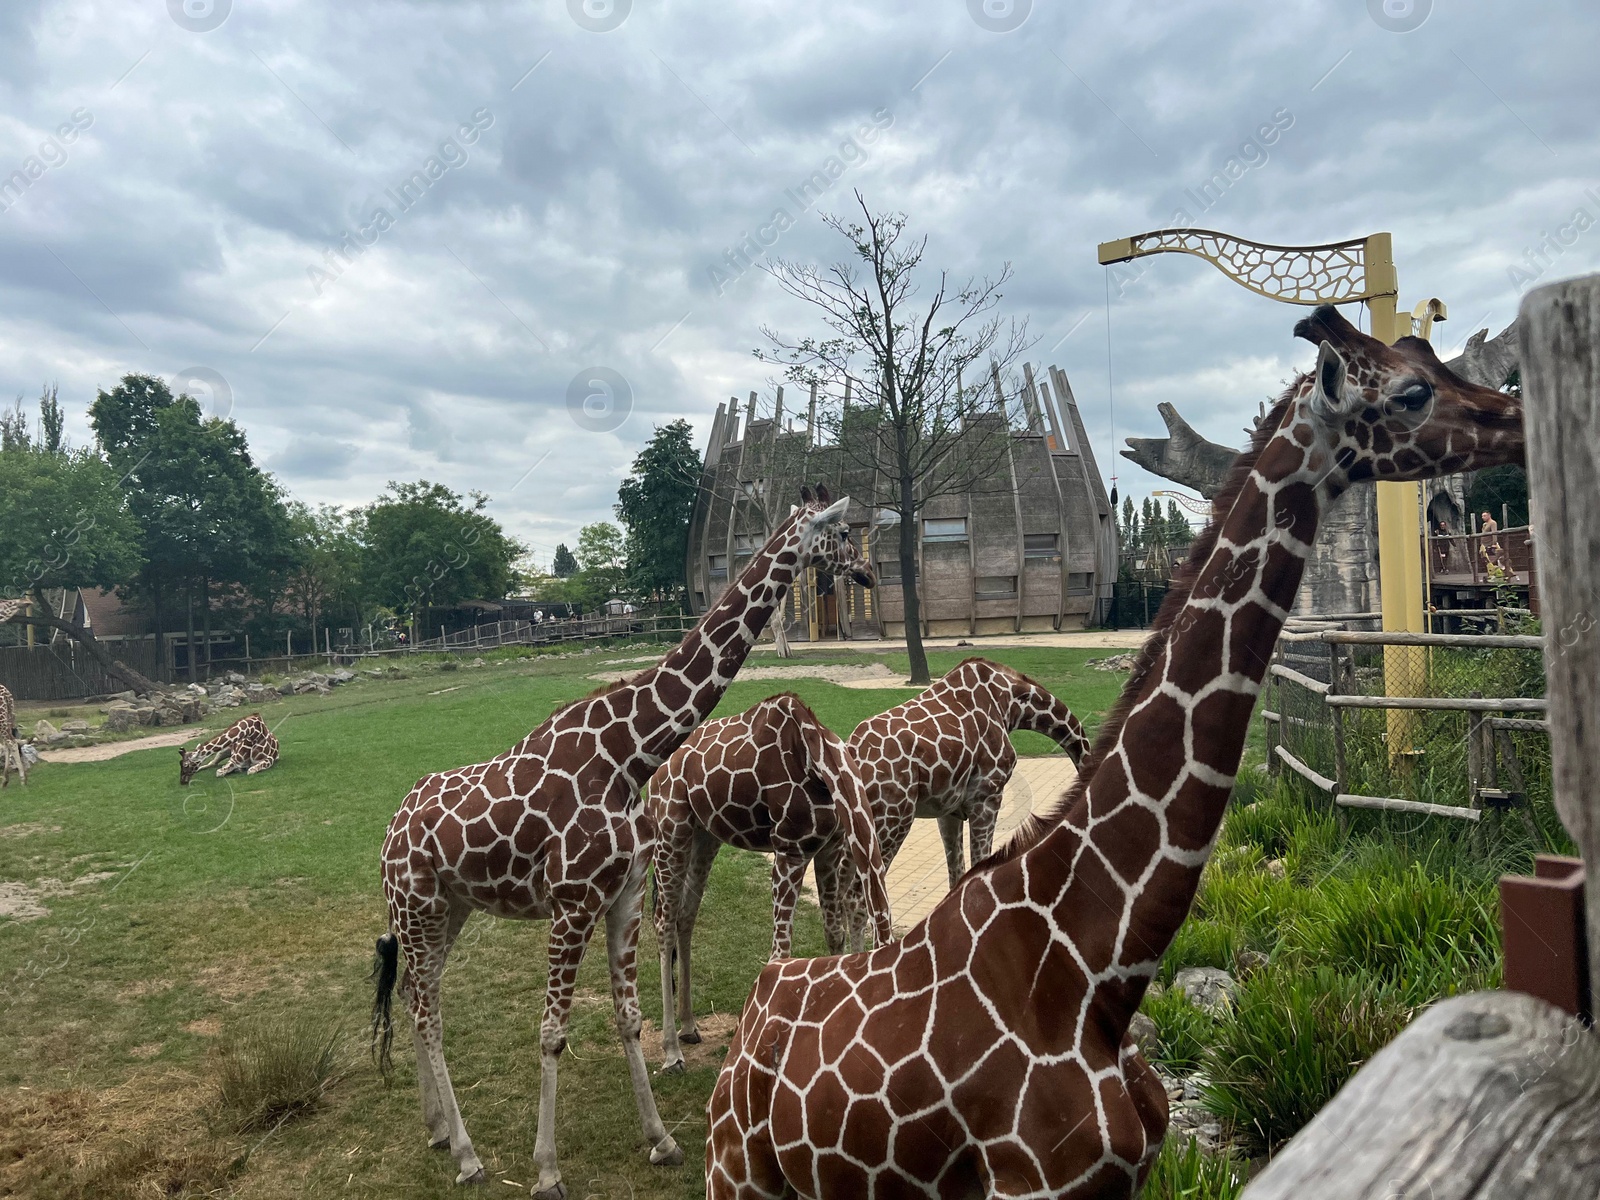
(1294, 1039)
(272, 1070)
(1200, 943)
(1183, 1171)
(1184, 1029)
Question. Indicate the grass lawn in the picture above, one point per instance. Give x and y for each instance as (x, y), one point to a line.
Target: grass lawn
(177, 918)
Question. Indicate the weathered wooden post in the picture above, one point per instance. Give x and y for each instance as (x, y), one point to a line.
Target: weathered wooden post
(1497, 1094)
(1561, 389)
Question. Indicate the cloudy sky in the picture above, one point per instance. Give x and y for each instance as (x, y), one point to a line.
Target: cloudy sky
(222, 200)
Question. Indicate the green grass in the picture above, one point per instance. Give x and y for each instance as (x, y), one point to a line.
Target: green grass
(1183, 1171)
(257, 900)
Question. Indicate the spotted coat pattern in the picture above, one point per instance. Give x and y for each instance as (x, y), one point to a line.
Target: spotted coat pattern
(247, 744)
(773, 779)
(946, 754)
(10, 748)
(986, 1053)
(553, 830)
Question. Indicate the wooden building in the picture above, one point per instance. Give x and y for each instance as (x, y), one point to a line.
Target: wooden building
(1033, 549)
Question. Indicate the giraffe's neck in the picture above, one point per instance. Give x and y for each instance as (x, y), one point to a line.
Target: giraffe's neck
(687, 684)
(1130, 851)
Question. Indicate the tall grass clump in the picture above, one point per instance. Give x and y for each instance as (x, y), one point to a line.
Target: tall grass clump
(1183, 1171)
(274, 1069)
(1293, 1040)
(1184, 1029)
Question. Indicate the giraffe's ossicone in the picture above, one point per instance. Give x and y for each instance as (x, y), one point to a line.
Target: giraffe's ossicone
(987, 1051)
(554, 829)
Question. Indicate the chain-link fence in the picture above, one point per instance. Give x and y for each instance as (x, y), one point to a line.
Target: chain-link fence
(1411, 722)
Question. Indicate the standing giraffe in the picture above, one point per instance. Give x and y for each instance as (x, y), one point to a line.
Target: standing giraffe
(946, 753)
(553, 829)
(987, 1052)
(776, 780)
(9, 733)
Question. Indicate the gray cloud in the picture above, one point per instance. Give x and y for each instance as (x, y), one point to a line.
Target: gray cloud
(220, 166)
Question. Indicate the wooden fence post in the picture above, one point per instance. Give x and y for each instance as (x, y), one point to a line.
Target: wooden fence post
(1560, 353)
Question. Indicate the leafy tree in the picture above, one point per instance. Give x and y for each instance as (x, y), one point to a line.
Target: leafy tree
(14, 428)
(1495, 487)
(565, 565)
(52, 421)
(602, 562)
(426, 547)
(1179, 532)
(655, 502)
(326, 575)
(925, 437)
(209, 516)
(67, 525)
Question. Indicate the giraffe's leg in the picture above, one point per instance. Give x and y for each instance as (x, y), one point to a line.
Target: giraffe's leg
(787, 872)
(425, 944)
(622, 944)
(433, 1109)
(830, 868)
(670, 883)
(950, 831)
(702, 856)
(982, 817)
(570, 931)
(259, 766)
(234, 763)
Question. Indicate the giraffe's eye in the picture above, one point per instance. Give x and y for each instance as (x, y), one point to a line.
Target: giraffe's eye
(1410, 399)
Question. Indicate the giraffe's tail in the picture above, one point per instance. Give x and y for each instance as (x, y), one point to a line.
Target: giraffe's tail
(385, 971)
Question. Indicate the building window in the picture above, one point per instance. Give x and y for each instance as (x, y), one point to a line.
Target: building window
(888, 516)
(944, 529)
(1040, 545)
(996, 587)
(754, 489)
(1078, 581)
(719, 565)
(745, 543)
(889, 571)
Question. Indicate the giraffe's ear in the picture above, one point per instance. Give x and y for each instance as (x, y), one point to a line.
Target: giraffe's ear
(806, 496)
(834, 512)
(1331, 393)
(822, 494)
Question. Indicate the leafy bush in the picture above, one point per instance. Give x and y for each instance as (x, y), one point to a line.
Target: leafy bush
(1200, 943)
(1185, 1030)
(272, 1070)
(1183, 1171)
(1295, 1038)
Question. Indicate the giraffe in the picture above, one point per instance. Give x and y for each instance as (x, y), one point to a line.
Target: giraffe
(947, 753)
(553, 830)
(248, 743)
(987, 1051)
(771, 779)
(10, 747)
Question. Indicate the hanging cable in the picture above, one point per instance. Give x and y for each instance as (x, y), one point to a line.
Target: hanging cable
(1111, 398)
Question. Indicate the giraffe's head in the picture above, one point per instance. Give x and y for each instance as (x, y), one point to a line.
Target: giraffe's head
(188, 764)
(825, 541)
(1371, 411)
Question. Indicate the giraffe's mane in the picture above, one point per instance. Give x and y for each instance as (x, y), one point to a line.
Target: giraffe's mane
(1036, 826)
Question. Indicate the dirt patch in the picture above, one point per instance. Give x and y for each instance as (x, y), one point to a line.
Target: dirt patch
(204, 1027)
(140, 988)
(106, 750)
(148, 1050)
(231, 982)
(25, 901)
(716, 1029)
(26, 830)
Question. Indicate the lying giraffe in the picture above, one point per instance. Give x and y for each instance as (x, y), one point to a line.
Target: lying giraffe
(554, 830)
(946, 753)
(247, 743)
(10, 747)
(776, 780)
(987, 1052)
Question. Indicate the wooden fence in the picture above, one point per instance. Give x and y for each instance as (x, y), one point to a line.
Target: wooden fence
(65, 671)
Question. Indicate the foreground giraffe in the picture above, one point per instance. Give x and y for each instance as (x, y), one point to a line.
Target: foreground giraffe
(248, 743)
(987, 1052)
(554, 830)
(776, 780)
(10, 747)
(946, 753)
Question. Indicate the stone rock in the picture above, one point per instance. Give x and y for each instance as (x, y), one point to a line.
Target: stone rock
(168, 714)
(1249, 961)
(75, 726)
(120, 720)
(477, 662)
(127, 697)
(286, 688)
(234, 678)
(30, 756)
(47, 734)
(452, 665)
(1146, 1035)
(1208, 988)
(1276, 867)
(341, 676)
(1117, 662)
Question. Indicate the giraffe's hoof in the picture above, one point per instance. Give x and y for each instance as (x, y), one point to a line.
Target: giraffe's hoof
(691, 1037)
(439, 1143)
(475, 1178)
(667, 1154)
(556, 1191)
(676, 1067)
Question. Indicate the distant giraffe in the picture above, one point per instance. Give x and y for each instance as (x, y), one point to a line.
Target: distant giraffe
(554, 830)
(248, 744)
(773, 779)
(987, 1052)
(946, 753)
(10, 747)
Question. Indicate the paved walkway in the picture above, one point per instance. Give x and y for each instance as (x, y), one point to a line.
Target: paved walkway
(1083, 639)
(918, 877)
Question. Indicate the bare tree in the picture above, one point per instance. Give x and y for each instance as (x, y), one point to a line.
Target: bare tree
(917, 434)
